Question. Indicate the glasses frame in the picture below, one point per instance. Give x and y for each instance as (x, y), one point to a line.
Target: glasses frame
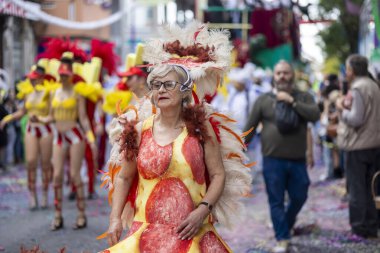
(164, 84)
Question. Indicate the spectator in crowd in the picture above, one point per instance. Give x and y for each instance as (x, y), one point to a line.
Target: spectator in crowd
(259, 85)
(284, 161)
(329, 118)
(239, 102)
(3, 132)
(359, 136)
(10, 106)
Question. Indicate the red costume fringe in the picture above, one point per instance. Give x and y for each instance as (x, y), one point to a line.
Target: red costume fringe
(105, 51)
(194, 117)
(203, 54)
(128, 140)
(55, 47)
(36, 249)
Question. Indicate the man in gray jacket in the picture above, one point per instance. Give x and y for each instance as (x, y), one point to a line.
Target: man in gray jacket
(284, 154)
(359, 136)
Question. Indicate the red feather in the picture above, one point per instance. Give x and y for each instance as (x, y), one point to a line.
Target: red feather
(105, 51)
(215, 125)
(55, 47)
(122, 85)
(128, 141)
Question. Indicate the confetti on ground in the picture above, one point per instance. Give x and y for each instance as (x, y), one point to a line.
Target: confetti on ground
(322, 225)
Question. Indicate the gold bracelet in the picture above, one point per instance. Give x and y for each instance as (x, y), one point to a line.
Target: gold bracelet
(90, 136)
(7, 118)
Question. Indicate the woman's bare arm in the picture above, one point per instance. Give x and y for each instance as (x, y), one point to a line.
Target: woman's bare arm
(13, 117)
(191, 225)
(122, 185)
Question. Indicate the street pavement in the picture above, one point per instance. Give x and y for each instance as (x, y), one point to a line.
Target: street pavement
(322, 225)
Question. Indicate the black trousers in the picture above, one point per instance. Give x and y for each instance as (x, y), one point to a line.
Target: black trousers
(361, 165)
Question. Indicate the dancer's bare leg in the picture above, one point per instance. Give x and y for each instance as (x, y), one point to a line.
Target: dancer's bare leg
(76, 159)
(59, 154)
(31, 157)
(46, 150)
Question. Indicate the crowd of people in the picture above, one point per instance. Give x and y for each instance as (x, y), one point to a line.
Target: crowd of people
(165, 181)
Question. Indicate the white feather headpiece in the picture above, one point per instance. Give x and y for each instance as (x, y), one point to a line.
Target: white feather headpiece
(205, 53)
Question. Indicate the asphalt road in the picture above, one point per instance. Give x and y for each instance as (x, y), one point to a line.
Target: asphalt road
(322, 225)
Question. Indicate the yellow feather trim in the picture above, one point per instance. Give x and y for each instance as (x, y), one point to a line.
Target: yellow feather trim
(24, 87)
(112, 99)
(92, 91)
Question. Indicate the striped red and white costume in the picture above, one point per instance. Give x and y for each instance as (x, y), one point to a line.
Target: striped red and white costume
(39, 130)
(68, 138)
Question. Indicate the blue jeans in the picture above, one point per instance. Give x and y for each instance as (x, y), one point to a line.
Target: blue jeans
(282, 175)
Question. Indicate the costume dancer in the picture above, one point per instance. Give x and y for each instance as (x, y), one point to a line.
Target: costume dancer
(68, 108)
(181, 169)
(35, 91)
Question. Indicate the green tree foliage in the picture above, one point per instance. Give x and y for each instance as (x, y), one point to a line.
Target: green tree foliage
(331, 66)
(340, 39)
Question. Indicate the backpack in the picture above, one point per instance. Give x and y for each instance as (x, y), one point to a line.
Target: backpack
(287, 119)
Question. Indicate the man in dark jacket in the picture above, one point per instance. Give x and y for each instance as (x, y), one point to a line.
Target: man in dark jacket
(284, 162)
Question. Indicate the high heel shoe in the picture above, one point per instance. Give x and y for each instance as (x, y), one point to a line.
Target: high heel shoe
(33, 203)
(80, 225)
(44, 201)
(57, 223)
(81, 218)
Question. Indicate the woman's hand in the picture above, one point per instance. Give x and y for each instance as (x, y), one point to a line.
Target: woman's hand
(99, 129)
(114, 231)
(191, 225)
(2, 125)
(34, 119)
(94, 151)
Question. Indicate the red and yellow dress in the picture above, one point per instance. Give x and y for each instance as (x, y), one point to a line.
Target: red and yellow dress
(171, 184)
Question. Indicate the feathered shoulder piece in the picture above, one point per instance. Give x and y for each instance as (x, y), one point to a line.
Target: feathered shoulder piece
(205, 53)
(25, 87)
(238, 183)
(91, 91)
(115, 130)
(112, 98)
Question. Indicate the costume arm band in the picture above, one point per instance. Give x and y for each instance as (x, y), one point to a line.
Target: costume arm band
(90, 136)
(7, 119)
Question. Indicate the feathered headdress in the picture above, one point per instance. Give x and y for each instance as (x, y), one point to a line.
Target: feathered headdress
(105, 51)
(206, 54)
(55, 47)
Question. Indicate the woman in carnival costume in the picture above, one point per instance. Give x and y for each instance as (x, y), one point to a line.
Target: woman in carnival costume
(67, 109)
(131, 95)
(181, 169)
(35, 91)
(132, 90)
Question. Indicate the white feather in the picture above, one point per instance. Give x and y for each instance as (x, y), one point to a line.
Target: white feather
(207, 74)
